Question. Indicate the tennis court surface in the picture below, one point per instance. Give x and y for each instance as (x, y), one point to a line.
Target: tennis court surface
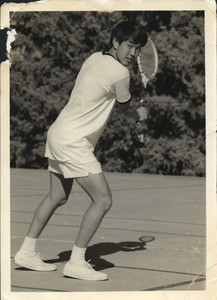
(152, 239)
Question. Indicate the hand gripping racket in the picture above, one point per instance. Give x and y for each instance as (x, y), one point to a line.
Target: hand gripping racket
(147, 62)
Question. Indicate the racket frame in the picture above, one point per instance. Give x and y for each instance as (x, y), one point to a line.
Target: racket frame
(144, 77)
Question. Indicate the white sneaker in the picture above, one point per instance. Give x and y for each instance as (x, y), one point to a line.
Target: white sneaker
(33, 261)
(83, 270)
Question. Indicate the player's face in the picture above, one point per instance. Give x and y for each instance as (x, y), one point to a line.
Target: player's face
(127, 51)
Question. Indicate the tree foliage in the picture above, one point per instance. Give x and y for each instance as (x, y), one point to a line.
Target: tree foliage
(47, 55)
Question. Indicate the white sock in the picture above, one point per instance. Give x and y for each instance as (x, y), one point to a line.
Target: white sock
(29, 244)
(78, 254)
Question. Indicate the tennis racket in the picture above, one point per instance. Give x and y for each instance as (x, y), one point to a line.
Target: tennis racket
(147, 62)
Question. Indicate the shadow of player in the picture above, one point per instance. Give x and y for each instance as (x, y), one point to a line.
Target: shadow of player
(95, 252)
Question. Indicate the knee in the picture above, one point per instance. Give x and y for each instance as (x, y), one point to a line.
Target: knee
(62, 202)
(106, 202)
(108, 205)
(58, 201)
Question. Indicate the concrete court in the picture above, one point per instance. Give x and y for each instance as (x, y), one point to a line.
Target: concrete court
(168, 212)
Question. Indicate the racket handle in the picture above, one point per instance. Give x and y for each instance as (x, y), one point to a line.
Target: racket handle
(142, 137)
(141, 102)
(140, 123)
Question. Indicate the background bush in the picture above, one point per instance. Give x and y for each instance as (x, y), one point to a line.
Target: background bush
(47, 55)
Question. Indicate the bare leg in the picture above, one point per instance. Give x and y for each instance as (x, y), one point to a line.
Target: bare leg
(60, 189)
(97, 188)
(27, 256)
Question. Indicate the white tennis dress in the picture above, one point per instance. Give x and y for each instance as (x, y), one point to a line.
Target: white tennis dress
(72, 137)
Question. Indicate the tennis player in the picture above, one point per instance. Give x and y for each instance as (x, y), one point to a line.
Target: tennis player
(102, 82)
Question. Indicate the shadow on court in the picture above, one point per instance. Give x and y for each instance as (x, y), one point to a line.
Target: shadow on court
(95, 252)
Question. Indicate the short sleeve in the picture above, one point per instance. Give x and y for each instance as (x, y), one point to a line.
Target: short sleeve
(121, 89)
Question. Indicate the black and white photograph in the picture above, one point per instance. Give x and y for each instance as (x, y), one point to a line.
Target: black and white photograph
(108, 116)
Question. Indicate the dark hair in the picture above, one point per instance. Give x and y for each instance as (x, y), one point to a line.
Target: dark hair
(129, 30)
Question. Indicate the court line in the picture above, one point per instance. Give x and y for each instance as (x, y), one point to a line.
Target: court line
(163, 287)
(38, 289)
(150, 270)
(120, 229)
(160, 271)
(47, 240)
(122, 189)
(115, 218)
(151, 289)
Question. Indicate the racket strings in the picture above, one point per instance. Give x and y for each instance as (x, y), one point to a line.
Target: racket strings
(148, 61)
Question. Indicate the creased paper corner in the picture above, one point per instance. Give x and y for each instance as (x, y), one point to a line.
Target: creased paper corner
(5, 2)
(8, 37)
